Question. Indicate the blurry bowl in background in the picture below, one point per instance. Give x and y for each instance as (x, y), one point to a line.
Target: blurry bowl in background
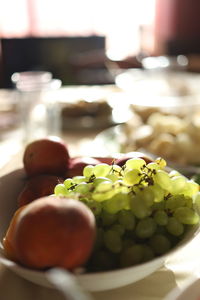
(160, 88)
(166, 113)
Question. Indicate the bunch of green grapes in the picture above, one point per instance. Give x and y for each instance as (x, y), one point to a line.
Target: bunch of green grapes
(141, 210)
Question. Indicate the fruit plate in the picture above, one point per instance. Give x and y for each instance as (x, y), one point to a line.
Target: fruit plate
(11, 184)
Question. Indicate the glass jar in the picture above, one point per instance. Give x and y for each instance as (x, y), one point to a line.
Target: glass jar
(37, 103)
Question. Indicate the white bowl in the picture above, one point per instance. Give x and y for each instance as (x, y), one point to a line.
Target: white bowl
(10, 185)
(160, 89)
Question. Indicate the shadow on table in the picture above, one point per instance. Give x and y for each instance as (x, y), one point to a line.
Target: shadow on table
(154, 287)
(14, 287)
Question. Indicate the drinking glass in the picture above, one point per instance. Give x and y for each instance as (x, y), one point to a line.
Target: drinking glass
(37, 103)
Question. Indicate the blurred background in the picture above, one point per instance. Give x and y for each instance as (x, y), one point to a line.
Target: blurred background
(76, 40)
(108, 76)
(73, 38)
(101, 53)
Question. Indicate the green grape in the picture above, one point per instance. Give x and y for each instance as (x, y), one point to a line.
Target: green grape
(102, 196)
(88, 171)
(174, 173)
(158, 206)
(160, 244)
(126, 219)
(103, 191)
(136, 202)
(118, 228)
(72, 194)
(95, 207)
(79, 179)
(99, 180)
(153, 166)
(99, 241)
(112, 177)
(107, 218)
(196, 200)
(139, 208)
(68, 183)
(163, 180)
(117, 202)
(132, 176)
(131, 256)
(162, 230)
(175, 227)
(191, 188)
(161, 217)
(135, 163)
(101, 170)
(102, 260)
(127, 243)
(158, 192)
(148, 253)
(119, 186)
(112, 241)
(147, 195)
(186, 215)
(82, 188)
(174, 202)
(116, 169)
(104, 186)
(161, 162)
(60, 190)
(178, 183)
(145, 228)
(189, 202)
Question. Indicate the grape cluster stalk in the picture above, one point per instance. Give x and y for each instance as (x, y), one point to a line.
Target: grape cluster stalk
(141, 209)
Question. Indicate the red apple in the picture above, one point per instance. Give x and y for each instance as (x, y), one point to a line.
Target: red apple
(77, 165)
(46, 156)
(37, 187)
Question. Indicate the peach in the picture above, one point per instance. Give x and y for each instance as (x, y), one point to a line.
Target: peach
(51, 232)
(77, 165)
(37, 187)
(46, 156)
(7, 241)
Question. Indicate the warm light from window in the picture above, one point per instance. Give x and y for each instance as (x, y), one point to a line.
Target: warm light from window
(120, 21)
